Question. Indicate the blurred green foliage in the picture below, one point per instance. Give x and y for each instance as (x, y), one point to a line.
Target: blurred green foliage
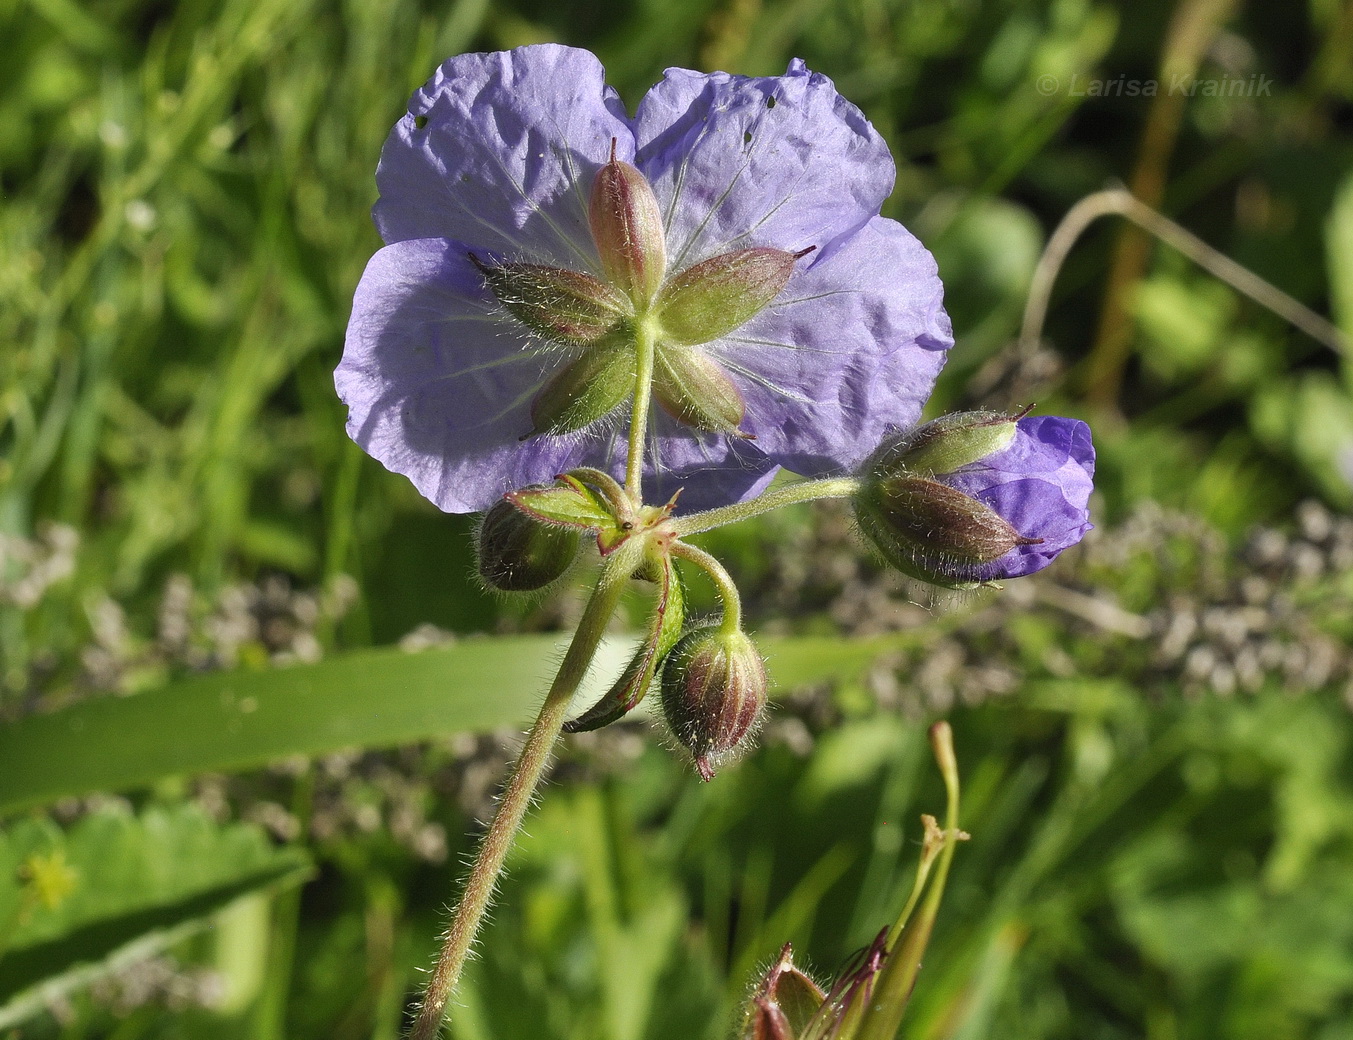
(185, 214)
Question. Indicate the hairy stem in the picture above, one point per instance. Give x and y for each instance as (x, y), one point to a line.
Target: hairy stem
(645, 345)
(502, 832)
(723, 582)
(802, 491)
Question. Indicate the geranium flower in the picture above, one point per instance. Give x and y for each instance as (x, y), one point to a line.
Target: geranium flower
(453, 351)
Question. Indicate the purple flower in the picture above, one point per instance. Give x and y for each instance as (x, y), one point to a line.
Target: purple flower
(976, 497)
(486, 182)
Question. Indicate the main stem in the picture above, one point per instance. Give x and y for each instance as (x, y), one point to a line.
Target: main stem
(498, 839)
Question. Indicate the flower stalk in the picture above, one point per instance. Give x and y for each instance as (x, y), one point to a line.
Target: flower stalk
(790, 494)
(516, 798)
(645, 346)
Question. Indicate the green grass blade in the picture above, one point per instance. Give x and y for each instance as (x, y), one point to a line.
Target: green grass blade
(241, 719)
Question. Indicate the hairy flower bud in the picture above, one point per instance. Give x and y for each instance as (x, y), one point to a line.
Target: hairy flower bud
(784, 1004)
(558, 304)
(628, 231)
(586, 389)
(518, 553)
(714, 297)
(976, 497)
(932, 532)
(713, 691)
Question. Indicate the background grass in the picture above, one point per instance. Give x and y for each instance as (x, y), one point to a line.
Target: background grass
(1162, 814)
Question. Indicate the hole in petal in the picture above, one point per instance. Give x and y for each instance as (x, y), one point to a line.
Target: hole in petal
(420, 121)
(770, 101)
(747, 137)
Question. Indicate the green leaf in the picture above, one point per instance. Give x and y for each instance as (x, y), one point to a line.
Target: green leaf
(77, 904)
(383, 698)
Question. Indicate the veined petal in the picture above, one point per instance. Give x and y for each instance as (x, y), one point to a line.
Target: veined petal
(439, 382)
(848, 350)
(500, 150)
(780, 161)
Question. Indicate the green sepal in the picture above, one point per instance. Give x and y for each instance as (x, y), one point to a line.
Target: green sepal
(587, 388)
(603, 488)
(712, 298)
(695, 390)
(946, 444)
(933, 532)
(664, 629)
(568, 503)
(558, 304)
(799, 998)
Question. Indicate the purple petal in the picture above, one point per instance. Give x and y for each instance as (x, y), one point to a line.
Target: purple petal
(782, 161)
(439, 384)
(1041, 484)
(506, 157)
(849, 349)
(709, 469)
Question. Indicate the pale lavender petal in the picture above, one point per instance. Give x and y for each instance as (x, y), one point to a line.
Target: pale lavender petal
(781, 161)
(505, 158)
(439, 384)
(849, 350)
(709, 469)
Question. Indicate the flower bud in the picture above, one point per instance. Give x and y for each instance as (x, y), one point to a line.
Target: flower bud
(784, 1004)
(586, 389)
(713, 691)
(712, 298)
(627, 228)
(558, 304)
(518, 553)
(695, 390)
(977, 497)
